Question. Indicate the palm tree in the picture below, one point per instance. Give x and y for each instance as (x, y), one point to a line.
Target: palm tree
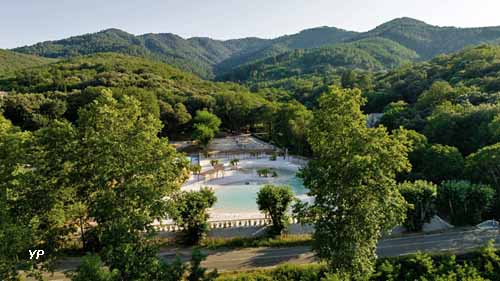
(234, 162)
(214, 162)
(196, 169)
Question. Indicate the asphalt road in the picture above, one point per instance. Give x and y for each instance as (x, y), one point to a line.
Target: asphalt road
(251, 258)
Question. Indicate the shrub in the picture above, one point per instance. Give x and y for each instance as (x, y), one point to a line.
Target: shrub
(264, 172)
(421, 196)
(92, 269)
(273, 157)
(441, 162)
(465, 203)
(484, 166)
(275, 201)
(191, 213)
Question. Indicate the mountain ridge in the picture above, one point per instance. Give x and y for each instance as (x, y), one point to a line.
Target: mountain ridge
(12, 61)
(209, 57)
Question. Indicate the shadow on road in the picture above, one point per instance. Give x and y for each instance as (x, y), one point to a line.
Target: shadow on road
(270, 257)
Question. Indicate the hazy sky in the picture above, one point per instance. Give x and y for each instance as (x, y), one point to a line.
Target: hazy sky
(28, 21)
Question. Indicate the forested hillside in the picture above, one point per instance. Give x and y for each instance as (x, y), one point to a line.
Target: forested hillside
(87, 166)
(371, 54)
(196, 55)
(12, 61)
(207, 57)
(428, 40)
(60, 89)
(306, 39)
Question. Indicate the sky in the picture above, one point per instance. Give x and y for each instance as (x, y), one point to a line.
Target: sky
(24, 22)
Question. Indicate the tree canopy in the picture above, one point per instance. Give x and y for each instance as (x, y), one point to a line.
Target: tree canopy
(352, 178)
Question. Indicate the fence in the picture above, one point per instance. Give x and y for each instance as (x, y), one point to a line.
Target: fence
(223, 224)
(298, 160)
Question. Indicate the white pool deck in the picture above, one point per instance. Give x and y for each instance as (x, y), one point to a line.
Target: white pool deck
(233, 175)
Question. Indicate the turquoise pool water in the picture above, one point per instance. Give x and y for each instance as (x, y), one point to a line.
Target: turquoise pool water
(241, 196)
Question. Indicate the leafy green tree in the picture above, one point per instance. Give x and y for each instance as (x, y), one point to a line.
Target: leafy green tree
(432, 162)
(483, 166)
(203, 135)
(92, 269)
(439, 92)
(464, 202)
(196, 169)
(198, 273)
(421, 196)
(16, 233)
(462, 126)
(208, 119)
(398, 114)
(494, 127)
(36, 195)
(206, 125)
(441, 162)
(349, 79)
(238, 110)
(417, 144)
(53, 108)
(25, 111)
(352, 180)
(289, 127)
(275, 201)
(489, 261)
(123, 174)
(182, 116)
(191, 213)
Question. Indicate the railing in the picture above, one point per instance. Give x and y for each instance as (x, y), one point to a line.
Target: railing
(223, 224)
(298, 160)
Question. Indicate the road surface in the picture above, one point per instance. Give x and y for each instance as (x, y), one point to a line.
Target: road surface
(252, 258)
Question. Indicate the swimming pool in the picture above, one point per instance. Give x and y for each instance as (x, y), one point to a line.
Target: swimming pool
(240, 196)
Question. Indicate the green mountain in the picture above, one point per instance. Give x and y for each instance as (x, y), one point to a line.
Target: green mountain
(476, 69)
(12, 61)
(310, 38)
(373, 54)
(59, 89)
(202, 56)
(207, 57)
(108, 70)
(428, 40)
(196, 55)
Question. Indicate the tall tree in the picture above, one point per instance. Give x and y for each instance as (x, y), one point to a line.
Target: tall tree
(484, 166)
(275, 202)
(421, 195)
(465, 203)
(206, 125)
(124, 173)
(15, 232)
(352, 180)
(208, 119)
(37, 197)
(192, 213)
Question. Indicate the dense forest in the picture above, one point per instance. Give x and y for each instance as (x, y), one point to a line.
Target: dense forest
(84, 143)
(372, 54)
(207, 57)
(60, 89)
(12, 61)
